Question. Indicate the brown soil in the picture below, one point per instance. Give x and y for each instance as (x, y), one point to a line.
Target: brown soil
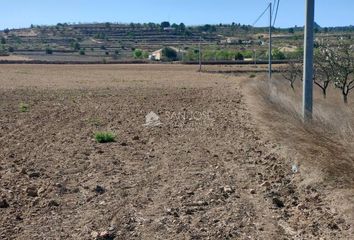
(207, 172)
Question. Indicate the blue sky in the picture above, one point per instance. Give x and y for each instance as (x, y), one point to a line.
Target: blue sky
(23, 13)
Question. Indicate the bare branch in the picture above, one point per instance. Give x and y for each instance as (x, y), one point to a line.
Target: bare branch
(319, 85)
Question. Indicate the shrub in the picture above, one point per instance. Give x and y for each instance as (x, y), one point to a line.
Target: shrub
(100, 36)
(169, 54)
(298, 54)
(145, 55)
(24, 107)
(225, 55)
(207, 28)
(3, 40)
(76, 46)
(138, 53)
(82, 52)
(239, 56)
(165, 24)
(11, 49)
(247, 54)
(182, 27)
(105, 137)
(278, 55)
(49, 51)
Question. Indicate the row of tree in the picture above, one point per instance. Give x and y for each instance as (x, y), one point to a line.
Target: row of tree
(333, 65)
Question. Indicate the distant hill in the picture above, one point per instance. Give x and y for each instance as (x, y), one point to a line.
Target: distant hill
(99, 41)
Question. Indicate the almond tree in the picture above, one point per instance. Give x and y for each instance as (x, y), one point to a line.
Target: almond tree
(324, 70)
(292, 72)
(341, 59)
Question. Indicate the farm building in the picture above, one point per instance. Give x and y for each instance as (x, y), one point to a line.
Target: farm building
(169, 29)
(157, 55)
(235, 41)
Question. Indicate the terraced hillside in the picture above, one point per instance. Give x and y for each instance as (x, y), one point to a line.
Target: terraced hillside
(100, 40)
(114, 42)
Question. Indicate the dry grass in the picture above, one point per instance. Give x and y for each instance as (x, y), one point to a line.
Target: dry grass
(324, 148)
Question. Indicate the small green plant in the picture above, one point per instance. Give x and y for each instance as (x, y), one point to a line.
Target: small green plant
(105, 137)
(24, 107)
(82, 52)
(252, 75)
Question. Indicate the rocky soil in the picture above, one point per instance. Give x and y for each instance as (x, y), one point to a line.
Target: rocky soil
(207, 172)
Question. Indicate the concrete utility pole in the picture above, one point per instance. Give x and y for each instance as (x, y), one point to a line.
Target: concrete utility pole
(308, 61)
(255, 56)
(200, 56)
(181, 52)
(270, 41)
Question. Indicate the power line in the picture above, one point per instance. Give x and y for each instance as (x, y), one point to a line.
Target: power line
(255, 22)
(274, 5)
(276, 13)
(270, 34)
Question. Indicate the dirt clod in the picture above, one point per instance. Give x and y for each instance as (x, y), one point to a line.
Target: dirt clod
(278, 203)
(4, 203)
(53, 203)
(99, 189)
(253, 191)
(32, 191)
(34, 175)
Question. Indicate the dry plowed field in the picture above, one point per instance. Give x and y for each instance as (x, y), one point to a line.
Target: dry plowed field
(208, 171)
